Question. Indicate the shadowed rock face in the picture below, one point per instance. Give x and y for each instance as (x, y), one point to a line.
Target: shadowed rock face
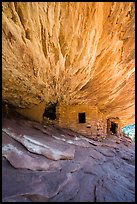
(71, 52)
(80, 169)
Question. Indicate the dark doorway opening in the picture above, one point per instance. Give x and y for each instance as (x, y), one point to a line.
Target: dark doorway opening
(50, 111)
(113, 127)
(82, 117)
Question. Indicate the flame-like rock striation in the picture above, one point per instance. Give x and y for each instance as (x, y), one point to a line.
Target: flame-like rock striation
(78, 53)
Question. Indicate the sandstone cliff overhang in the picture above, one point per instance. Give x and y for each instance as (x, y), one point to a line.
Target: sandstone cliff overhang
(78, 53)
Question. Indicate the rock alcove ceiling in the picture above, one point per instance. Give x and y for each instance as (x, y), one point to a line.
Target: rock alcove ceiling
(78, 53)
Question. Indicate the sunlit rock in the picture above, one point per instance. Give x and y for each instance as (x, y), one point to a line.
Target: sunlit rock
(71, 53)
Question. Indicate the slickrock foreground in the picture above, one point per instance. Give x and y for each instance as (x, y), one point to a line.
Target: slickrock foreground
(45, 163)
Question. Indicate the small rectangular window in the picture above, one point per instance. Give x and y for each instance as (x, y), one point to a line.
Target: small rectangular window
(82, 117)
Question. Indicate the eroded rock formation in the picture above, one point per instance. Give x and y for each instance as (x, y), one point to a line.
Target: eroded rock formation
(76, 53)
(70, 167)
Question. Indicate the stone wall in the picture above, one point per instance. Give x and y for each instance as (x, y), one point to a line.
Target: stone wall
(95, 125)
(116, 121)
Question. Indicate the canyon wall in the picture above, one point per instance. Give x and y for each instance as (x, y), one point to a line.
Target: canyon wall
(74, 53)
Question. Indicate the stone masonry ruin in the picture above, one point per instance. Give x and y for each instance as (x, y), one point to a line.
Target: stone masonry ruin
(82, 118)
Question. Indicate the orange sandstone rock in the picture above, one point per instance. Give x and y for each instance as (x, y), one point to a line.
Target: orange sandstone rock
(78, 53)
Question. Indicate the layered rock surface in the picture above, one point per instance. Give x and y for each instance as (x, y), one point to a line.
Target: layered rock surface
(71, 52)
(91, 171)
